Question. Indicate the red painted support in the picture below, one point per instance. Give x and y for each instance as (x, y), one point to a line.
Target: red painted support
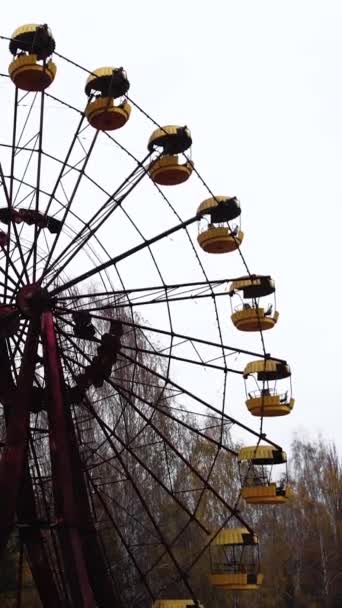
(97, 569)
(15, 452)
(32, 538)
(7, 386)
(26, 508)
(63, 480)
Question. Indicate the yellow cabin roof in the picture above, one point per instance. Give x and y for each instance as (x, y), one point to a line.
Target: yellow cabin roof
(173, 603)
(210, 203)
(277, 369)
(108, 77)
(24, 38)
(262, 452)
(166, 130)
(26, 29)
(235, 536)
(253, 281)
(100, 72)
(220, 208)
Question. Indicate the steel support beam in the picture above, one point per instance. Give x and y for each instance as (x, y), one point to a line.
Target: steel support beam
(12, 464)
(64, 483)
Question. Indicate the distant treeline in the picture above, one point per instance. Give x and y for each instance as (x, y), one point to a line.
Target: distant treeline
(301, 542)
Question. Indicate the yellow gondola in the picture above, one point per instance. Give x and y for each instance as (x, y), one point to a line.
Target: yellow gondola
(32, 45)
(215, 233)
(170, 141)
(268, 399)
(250, 314)
(234, 554)
(103, 87)
(175, 604)
(255, 466)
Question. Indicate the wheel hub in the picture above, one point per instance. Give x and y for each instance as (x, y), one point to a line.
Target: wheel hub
(32, 300)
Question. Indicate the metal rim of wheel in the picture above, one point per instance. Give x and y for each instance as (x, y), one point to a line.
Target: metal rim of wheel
(108, 343)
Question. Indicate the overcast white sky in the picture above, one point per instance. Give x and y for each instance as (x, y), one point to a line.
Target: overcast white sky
(259, 84)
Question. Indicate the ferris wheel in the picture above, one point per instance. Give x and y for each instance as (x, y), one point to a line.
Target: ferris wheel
(117, 467)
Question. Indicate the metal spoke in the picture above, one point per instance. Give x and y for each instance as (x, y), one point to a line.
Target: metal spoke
(122, 256)
(90, 227)
(114, 429)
